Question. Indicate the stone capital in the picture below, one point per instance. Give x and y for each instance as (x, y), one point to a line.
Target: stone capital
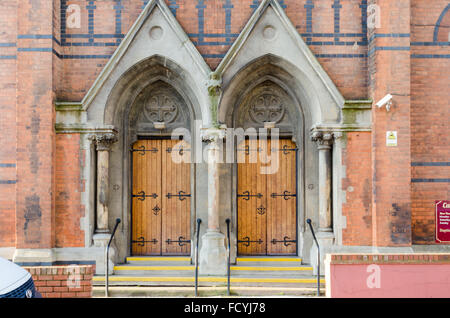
(104, 141)
(213, 135)
(324, 140)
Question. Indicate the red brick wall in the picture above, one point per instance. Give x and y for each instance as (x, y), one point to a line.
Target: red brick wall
(391, 166)
(349, 74)
(35, 127)
(63, 281)
(8, 21)
(358, 186)
(430, 113)
(69, 210)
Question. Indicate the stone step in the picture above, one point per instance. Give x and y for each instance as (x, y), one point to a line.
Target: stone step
(156, 280)
(236, 270)
(159, 260)
(152, 291)
(288, 261)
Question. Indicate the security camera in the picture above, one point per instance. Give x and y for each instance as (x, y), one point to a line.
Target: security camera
(387, 100)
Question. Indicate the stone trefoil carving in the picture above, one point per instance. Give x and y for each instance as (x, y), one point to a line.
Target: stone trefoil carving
(160, 109)
(266, 107)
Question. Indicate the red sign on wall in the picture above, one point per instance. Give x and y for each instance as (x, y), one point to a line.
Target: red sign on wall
(442, 221)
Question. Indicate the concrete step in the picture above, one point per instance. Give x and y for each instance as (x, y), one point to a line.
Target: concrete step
(156, 280)
(159, 260)
(147, 291)
(288, 261)
(144, 270)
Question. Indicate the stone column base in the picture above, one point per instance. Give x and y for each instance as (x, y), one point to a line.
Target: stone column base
(213, 255)
(326, 240)
(101, 241)
(34, 256)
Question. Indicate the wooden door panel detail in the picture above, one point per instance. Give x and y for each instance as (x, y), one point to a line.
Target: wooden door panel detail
(267, 203)
(160, 222)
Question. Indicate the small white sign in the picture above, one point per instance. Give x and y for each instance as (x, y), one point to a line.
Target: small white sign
(391, 139)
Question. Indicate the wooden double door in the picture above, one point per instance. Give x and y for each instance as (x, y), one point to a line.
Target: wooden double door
(267, 198)
(161, 198)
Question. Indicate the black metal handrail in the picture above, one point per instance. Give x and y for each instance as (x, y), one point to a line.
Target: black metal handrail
(107, 257)
(228, 257)
(318, 255)
(199, 221)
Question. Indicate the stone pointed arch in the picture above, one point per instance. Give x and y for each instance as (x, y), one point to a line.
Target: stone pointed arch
(156, 39)
(270, 56)
(270, 36)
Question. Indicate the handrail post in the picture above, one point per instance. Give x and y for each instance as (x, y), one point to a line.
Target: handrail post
(228, 257)
(107, 257)
(199, 221)
(318, 255)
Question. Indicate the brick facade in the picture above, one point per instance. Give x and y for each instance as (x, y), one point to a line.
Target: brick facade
(63, 281)
(392, 202)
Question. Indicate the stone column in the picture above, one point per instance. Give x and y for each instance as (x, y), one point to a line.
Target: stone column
(325, 235)
(213, 254)
(103, 143)
(324, 142)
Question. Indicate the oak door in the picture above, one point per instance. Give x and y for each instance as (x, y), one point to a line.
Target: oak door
(161, 198)
(267, 198)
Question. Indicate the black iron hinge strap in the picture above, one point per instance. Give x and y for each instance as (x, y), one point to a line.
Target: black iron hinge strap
(143, 150)
(246, 195)
(141, 241)
(181, 241)
(181, 195)
(180, 150)
(246, 241)
(141, 196)
(286, 241)
(286, 195)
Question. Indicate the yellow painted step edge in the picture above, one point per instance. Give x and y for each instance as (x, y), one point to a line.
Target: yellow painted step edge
(153, 268)
(187, 268)
(278, 269)
(268, 259)
(208, 279)
(159, 259)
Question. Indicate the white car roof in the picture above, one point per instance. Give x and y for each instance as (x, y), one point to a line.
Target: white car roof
(12, 276)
